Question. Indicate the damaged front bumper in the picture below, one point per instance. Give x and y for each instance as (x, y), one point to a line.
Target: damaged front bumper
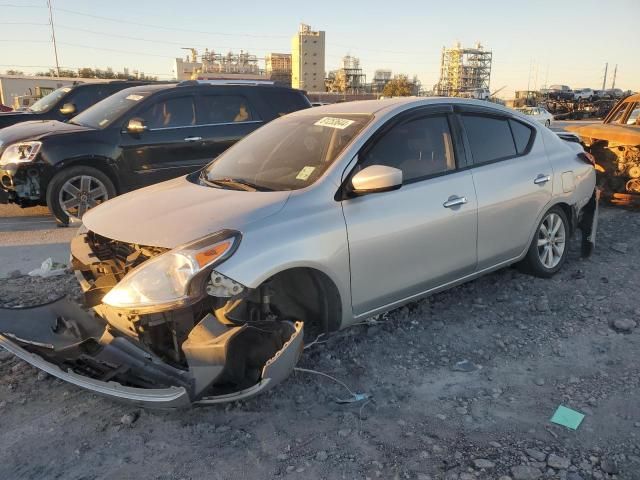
(224, 362)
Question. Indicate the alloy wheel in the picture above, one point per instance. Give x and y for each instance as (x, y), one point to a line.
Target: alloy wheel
(79, 194)
(551, 240)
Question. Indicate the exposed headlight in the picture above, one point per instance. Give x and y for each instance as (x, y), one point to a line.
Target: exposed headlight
(164, 282)
(20, 152)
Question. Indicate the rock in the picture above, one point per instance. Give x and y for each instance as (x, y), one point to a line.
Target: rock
(619, 247)
(290, 468)
(505, 477)
(128, 419)
(467, 476)
(495, 444)
(464, 366)
(574, 476)
(539, 381)
(536, 454)
(345, 432)
(525, 472)
(623, 325)
(542, 304)
(4, 355)
(321, 456)
(559, 463)
(282, 457)
(483, 463)
(609, 466)
(42, 375)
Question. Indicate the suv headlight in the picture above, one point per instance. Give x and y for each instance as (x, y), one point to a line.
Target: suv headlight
(170, 279)
(20, 152)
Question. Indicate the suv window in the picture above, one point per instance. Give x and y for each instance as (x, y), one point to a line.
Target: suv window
(490, 138)
(634, 116)
(285, 102)
(170, 113)
(419, 148)
(225, 109)
(84, 97)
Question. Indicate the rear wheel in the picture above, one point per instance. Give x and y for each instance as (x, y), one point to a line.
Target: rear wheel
(548, 250)
(73, 191)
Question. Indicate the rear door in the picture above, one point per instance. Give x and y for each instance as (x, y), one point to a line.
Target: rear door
(407, 241)
(512, 177)
(222, 120)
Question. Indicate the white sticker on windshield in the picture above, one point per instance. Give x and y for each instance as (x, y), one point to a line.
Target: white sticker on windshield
(305, 173)
(103, 122)
(333, 122)
(134, 97)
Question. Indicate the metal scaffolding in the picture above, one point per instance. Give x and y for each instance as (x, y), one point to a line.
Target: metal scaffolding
(463, 70)
(348, 79)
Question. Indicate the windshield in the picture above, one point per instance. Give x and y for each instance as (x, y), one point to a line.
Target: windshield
(48, 101)
(105, 112)
(286, 154)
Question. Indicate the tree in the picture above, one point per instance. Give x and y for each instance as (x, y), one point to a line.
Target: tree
(400, 86)
(14, 72)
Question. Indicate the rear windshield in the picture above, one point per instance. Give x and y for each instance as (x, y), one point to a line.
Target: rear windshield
(107, 111)
(47, 102)
(287, 154)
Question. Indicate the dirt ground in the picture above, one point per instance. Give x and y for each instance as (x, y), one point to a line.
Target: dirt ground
(529, 344)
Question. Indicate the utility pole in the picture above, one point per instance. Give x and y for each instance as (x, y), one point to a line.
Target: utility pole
(604, 80)
(615, 70)
(53, 37)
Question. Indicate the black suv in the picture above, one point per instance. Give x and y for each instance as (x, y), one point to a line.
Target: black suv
(134, 138)
(65, 102)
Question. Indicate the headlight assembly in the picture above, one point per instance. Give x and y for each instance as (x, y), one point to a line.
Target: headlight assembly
(165, 282)
(20, 152)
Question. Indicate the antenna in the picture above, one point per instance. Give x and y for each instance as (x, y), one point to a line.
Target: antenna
(604, 80)
(53, 36)
(615, 70)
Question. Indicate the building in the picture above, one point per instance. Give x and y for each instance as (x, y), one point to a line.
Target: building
(348, 79)
(277, 67)
(464, 70)
(380, 79)
(211, 65)
(307, 59)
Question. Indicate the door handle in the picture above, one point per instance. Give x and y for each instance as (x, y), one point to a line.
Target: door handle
(193, 139)
(454, 201)
(542, 179)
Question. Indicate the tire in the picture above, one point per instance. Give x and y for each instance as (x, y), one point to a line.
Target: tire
(539, 263)
(73, 191)
(547, 124)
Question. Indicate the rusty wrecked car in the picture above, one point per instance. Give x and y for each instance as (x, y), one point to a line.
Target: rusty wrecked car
(200, 289)
(615, 145)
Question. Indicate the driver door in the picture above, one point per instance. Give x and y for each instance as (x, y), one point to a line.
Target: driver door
(405, 242)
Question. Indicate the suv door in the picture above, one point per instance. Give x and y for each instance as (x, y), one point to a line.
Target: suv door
(405, 242)
(512, 177)
(222, 120)
(172, 144)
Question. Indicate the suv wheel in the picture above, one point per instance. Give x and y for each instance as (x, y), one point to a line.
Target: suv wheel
(73, 191)
(548, 250)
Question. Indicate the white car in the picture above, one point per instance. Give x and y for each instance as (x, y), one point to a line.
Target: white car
(583, 94)
(537, 113)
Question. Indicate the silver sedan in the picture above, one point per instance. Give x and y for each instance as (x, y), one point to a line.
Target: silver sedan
(199, 288)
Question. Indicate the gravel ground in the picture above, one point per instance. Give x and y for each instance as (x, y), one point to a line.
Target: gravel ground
(462, 386)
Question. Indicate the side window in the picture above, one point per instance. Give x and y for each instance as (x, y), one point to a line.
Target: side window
(83, 98)
(170, 113)
(283, 102)
(619, 113)
(634, 116)
(489, 138)
(419, 148)
(521, 135)
(225, 109)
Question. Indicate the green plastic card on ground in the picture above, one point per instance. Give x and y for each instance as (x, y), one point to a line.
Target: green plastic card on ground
(566, 417)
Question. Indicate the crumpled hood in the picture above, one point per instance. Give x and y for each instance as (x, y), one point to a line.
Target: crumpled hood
(178, 211)
(36, 130)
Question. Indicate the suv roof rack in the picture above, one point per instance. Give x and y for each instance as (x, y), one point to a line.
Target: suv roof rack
(186, 83)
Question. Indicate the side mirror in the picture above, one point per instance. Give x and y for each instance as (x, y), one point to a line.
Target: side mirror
(136, 126)
(376, 178)
(68, 109)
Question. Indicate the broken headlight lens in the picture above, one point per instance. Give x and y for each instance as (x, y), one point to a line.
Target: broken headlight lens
(20, 152)
(163, 282)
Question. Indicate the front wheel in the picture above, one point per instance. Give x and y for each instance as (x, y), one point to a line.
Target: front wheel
(548, 250)
(73, 191)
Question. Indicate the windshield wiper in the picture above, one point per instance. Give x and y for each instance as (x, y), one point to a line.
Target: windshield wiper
(236, 183)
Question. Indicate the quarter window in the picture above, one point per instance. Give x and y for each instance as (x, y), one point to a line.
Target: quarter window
(419, 148)
(225, 109)
(170, 113)
(521, 135)
(489, 138)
